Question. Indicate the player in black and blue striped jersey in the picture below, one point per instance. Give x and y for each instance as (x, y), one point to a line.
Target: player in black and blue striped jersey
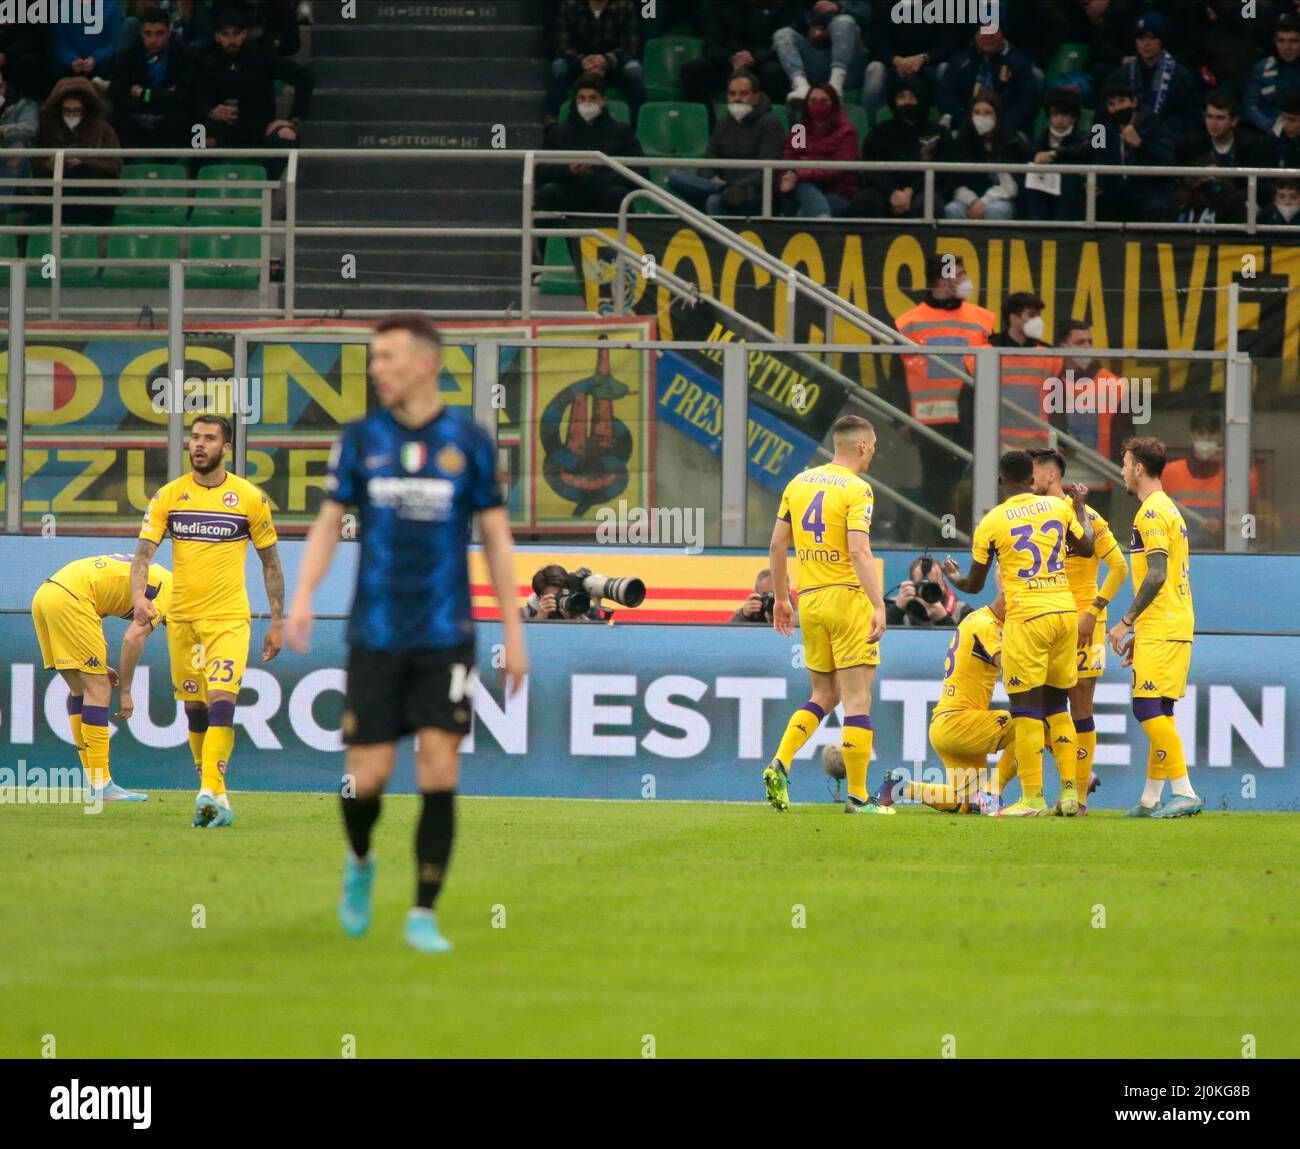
(417, 472)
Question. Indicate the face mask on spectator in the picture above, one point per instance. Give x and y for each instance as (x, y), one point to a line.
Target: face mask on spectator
(908, 113)
(983, 124)
(821, 110)
(71, 122)
(1205, 449)
(1123, 116)
(588, 110)
(964, 290)
(1285, 210)
(1034, 327)
(739, 109)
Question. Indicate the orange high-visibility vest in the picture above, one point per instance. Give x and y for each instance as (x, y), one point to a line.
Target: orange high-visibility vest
(932, 388)
(1184, 487)
(1024, 376)
(1102, 441)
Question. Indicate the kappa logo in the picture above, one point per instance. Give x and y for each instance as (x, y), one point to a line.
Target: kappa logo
(185, 498)
(92, 661)
(190, 686)
(1064, 738)
(1148, 685)
(801, 726)
(1002, 720)
(230, 499)
(1149, 515)
(1014, 681)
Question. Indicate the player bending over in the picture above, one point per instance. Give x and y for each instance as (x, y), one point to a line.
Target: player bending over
(1027, 533)
(1091, 603)
(211, 515)
(1155, 633)
(418, 472)
(67, 610)
(826, 512)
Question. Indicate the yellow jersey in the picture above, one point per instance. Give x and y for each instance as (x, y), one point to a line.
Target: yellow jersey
(1080, 572)
(104, 581)
(1028, 533)
(822, 505)
(210, 529)
(1158, 528)
(969, 670)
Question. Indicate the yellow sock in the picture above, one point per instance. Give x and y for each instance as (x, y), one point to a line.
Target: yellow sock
(218, 743)
(1060, 732)
(797, 731)
(196, 747)
(1085, 739)
(94, 731)
(78, 739)
(1006, 767)
(1166, 747)
(855, 742)
(1029, 751)
(954, 794)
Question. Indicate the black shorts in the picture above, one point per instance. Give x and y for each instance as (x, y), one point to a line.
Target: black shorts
(392, 693)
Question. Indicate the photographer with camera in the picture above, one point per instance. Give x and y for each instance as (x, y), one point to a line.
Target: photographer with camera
(572, 596)
(757, 608)
(924, 598)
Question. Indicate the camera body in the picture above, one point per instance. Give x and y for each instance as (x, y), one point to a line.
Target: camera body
(580, 588)
(928, 592)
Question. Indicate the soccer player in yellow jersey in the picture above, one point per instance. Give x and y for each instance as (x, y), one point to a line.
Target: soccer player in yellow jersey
(1155, 633)
(211, 515)
(963, 730)
(1027, 535)
(67, 610)
(826, 513)
(1091, 602)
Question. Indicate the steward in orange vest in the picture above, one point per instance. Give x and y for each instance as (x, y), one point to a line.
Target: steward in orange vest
(1197, 482)
(1023, 376)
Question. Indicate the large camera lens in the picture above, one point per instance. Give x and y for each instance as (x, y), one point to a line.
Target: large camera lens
(625, 591)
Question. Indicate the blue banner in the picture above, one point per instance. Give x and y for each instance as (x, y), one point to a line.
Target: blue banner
(665, 711)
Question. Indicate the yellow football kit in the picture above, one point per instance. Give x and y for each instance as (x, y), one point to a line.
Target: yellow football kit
(1027, 535)
(68, 607)
(822, 505)
(208, 631)
(1081, 573)
(1162, 654)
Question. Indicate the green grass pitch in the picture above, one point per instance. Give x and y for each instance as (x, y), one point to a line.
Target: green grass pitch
(627, 919)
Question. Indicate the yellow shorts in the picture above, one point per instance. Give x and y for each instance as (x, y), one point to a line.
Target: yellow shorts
(206, 656)
(70, 632)
(1091, 660)
(1041, 651)
(835, 621)
(1160, 667)
(964, 739)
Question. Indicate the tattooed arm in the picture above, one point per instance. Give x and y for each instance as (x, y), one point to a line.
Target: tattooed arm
(144, 609)
(273, 574)
(1157, 572)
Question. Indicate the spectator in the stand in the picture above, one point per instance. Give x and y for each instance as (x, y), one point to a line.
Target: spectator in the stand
(597, 37)
(73, 117)
(1222, 139)
(824, 44)
(925, 598)
(1274, 78)
(1223, 55)
(1285, 206)
(24, 50)
(19, 128)
(77, 49)
(991, 64)
(907, 136)
(1133, 136)
(1285, 144)
(983, 139)
(1196, 482)
(1064, 142)
(750, 131)
(899, 51)
(1024, 377)
(190, 20)
(757, 608)
(738, 34)
(582, 187)
(234, 90)
(823, 132)
(274, 24)
(1163, 86)
(150, 87)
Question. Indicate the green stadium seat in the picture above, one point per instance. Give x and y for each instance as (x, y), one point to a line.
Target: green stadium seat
(661, 61)
(223, 181)
(1068, 60)
(857, 116)
(136, 184)
(234, 246)
(671, 128)
(618, 110)
(124, 247)
(73, 247)
(250, 216)
(8, 250)
(560, 276)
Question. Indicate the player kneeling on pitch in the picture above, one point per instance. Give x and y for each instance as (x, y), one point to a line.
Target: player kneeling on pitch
(67, 611)
(418, 472)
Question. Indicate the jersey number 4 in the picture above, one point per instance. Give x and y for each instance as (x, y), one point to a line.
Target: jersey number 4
(812, 520)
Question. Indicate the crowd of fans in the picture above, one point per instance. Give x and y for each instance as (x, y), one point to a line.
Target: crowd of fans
(1194, 83)
(146, 78)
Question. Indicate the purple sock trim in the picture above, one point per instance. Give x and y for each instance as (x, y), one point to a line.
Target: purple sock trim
(1144, 709)
(1055, 708)
(198, 720)
(862, 720)
(1026, 712)
(813, 708)
(94, 716)
(1167, 707)
(74, 703)
(221, 713)
(1085, 725)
